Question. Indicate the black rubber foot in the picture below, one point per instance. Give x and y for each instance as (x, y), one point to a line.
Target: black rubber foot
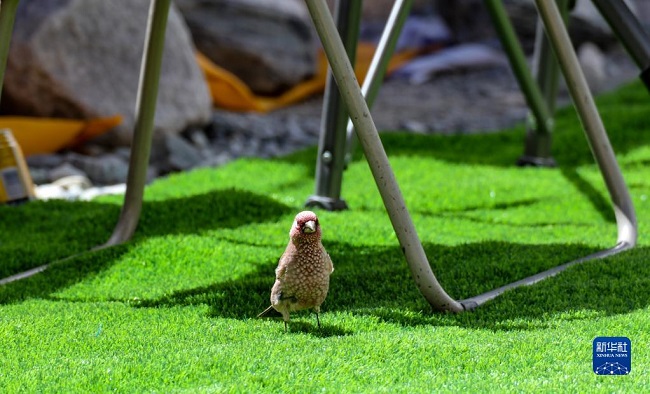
(534, 161)
(469, 305)
(327, 203)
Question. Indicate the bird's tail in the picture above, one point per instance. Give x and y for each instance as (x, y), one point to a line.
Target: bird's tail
(270, 312)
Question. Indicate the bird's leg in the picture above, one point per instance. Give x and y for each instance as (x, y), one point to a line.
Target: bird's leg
(317, 311)
(285, 317)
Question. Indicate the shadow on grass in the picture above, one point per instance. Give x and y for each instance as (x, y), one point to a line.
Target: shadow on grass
(49, 231)
(61, 274)
(376, 282)
(325, 330)
(600, 203)
(228, 208)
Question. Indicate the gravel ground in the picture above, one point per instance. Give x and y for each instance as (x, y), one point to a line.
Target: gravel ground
(461, 102)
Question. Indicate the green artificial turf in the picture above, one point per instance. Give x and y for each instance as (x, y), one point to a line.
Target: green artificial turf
(174, 309)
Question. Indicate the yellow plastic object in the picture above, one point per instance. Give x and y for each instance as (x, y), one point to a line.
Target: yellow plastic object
(46, 135)
(15, 181)
(229, 92)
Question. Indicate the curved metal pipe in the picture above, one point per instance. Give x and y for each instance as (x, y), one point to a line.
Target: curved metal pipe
(600, 147)
(378, 161)
(591, 121)
(143, 131)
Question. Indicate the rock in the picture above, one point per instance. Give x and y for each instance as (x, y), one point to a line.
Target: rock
(81, 59)
(468, 20)
(457, 58)
(643, 12)
(198, 138)
(39, 175)
(91, 149)
(217, 160)
(592, 62)
(44, 160)
(107, 169)
(64, 170)
(181, 155)
(123, 152)
(302, 131)
(268, 44)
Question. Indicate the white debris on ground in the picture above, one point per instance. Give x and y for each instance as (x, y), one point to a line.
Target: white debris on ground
(75, 187)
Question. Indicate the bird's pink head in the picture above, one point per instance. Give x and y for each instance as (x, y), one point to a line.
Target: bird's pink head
(305, 228)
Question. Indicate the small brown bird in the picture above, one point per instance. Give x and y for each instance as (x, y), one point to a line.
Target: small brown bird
(303, 274)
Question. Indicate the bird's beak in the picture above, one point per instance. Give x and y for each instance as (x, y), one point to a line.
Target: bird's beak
(309, 227)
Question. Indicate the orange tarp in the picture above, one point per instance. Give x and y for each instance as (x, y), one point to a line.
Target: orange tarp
(46, 135)
(229, 92)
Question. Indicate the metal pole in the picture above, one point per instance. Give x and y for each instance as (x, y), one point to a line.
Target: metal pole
(143, 131)
(630, 32)
(592, 124)
(627, 28)
(331, 147)
(7, 17)
(537, 147)
(379, 64)
(378, 161)
(534, 98)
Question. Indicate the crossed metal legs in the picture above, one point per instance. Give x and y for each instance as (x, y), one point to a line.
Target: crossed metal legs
(389, 189)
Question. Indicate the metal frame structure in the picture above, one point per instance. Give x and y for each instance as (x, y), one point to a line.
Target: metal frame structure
(539, 87)
(389, 190)
(353, 99)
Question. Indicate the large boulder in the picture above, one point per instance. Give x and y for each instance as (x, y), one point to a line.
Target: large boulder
(270, 45)
(81, 59)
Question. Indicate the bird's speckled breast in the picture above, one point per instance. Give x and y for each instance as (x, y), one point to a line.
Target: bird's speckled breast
(308, 280)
